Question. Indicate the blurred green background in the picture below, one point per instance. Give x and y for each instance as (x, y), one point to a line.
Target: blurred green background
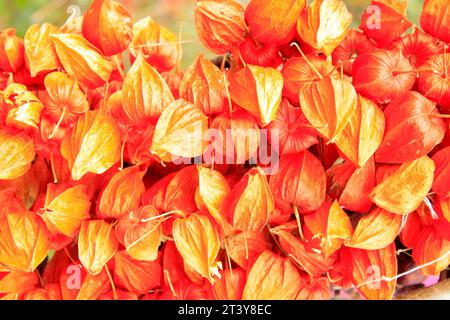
(170, 13)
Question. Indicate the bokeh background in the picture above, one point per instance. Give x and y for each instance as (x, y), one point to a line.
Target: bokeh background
(170, 13)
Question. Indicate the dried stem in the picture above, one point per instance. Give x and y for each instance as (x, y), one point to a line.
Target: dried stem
(428, 203)
(52, 166)
(294, 44)
(228, 257)
(122, 150)
(224, 60)
(113, 286)
(321, 147)
(61, 118)
(299, 224)
(159, 44)
(400, 72)
(230, 104)
(70, 257)
(242, 59)
(119, 66)
(106, 92)
(441, 116)
(246, 245)
(160, 216)
(445, 60)
(170, 283)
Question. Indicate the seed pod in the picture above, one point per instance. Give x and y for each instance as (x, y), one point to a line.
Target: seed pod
(230, 285)
(140, 232)
(368, 268)
(97, 244)
(419, 47)
(363, 134)
(392, 22)
(157, 44)
(351, 186)
(65, 208)
(245, 247)
(136, 276)
(20, 150)
(234, 138)
(435, 19)
(272, 277)
(306, 256)
(122, 193)
(180, 132)
(403, 191)
(92, 286)
(250, 202)
(331, 115)
(414, 114)
(11, 51)
(197, 241)
(376, 230)
(431, 246)
(211, 192)
(353, 45)
(145, 94)
(24, 241)
(313, 24)
(220, 24)
(441, 183)
(331, 225)
(257, 90)
(383, 75)
(433, 81)
(260, 54)
(108, 26)
(203, 84)
(82, 60)
(297, 72)
(273, 21)
(63, 98)
(318, 289)
(92, 145)
(24, 108)
(292, 129)
(40, 54)
(305, 172)
(411, 230)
